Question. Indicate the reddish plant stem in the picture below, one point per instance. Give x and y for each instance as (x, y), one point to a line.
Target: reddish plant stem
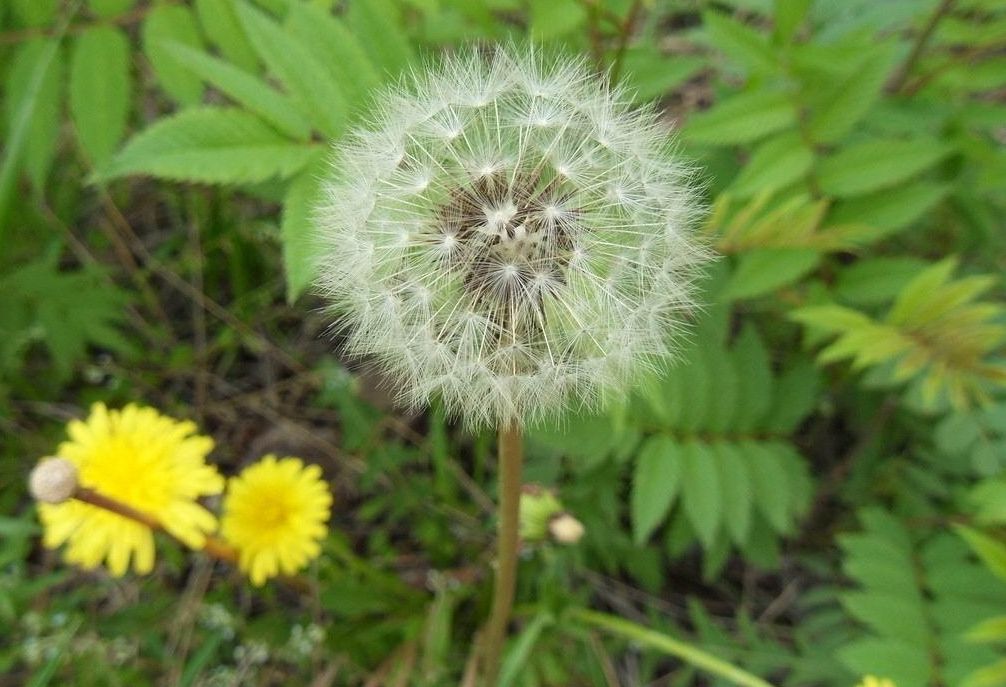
(214, 546)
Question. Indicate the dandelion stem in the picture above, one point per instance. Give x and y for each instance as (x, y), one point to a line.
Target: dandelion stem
(213, 546)
(668, 645)
(511, 456)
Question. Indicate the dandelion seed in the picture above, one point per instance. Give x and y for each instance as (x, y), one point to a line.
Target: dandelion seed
(549, 255)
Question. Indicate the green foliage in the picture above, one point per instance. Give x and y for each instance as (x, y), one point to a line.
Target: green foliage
(845, 149)
(100, 87)
(714, 461)
(325, 65)
(211, 145)
(935, 333)
(976, 437)
(918, 596)
(32, 113)
(245, 89)
(871, 165)
(722, 451)
(743, 118)
(169, 22)
(66, 312)
(306, 79)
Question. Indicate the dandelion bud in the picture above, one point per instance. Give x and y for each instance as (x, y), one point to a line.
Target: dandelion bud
(537, 508)
(53, 480)
(510, 236)
(566, 529)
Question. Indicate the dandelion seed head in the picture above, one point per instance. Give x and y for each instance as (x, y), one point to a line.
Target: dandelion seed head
(53, 480)
(510, 236)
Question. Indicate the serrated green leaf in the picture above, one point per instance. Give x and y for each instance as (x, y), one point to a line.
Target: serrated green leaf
(721, 406)
(693, 391)
(19, 111)
(774, 164)
(742, 118)
(850, 99)
(656, 480)
(110, 8)
(770, 480)
(760, 272)
(933, 293)
(701, 496)
(329, 38)
(880, 571)
(65, 310)
(991, 551)
(245, 89)
(871, 165)
(830, 317)
(989, 676)
(650, 74)
(100, 89)
(302, 74)
(918, 592)
(898, 661)
(796, 390)
(553, 18)
(991, 630)
(32, 98)
(754, 376)
(35, 12)
(738, 493)
(211, 145)
(170, 23)
(299, 255)
(377, 26)
(788, 16)
(740, 42)
(989, 500)
(873, 281)
(219, 21)
(898, 615)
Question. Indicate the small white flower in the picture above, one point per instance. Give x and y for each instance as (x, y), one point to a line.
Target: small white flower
(510, 236)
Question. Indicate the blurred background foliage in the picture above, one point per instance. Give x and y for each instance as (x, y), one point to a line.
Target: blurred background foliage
(816, 490)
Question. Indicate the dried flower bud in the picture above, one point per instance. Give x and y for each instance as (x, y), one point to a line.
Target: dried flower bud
(53, 480)
(566, 529)
(510, 236)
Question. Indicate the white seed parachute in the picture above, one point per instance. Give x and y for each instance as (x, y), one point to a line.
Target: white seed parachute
(509, 235)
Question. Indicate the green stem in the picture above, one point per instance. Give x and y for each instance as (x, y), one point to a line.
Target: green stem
(511, 455)
(670, 646)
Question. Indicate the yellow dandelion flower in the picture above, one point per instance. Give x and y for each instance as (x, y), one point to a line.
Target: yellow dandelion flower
(871, 681)
(274, 514)
(145, 460)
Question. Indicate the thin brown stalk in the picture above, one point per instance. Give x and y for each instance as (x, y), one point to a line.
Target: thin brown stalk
(214, 547)
(624, 34)
(900, 77)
